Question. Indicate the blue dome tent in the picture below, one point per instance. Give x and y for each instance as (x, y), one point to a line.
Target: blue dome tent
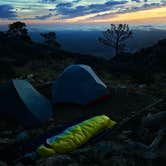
(78, 84)
(21, 102)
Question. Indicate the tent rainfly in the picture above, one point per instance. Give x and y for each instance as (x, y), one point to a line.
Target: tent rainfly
(21, 102)
(78, 84)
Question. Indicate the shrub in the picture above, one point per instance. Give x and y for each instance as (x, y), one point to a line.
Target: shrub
(6, 70)
(143, 77)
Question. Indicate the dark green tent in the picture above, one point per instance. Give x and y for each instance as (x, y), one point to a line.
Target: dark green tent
(21, 102)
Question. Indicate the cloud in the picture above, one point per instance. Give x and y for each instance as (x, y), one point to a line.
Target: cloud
(151, 5)
(136, 1)
(67, 10)
(64, 5)
(6, 12)
(48, 1)
(63, 10)
(44, 16)
(57, 1)
(131, 9)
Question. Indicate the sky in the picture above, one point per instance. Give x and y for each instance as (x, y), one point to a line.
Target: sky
(83, 12)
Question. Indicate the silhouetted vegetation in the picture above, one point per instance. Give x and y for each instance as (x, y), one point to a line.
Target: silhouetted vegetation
(19, 51)
(146, 77)
(153, 58)
(18, 48)
(116, 36)
(6, 70)
(50, 39)
(18, 30)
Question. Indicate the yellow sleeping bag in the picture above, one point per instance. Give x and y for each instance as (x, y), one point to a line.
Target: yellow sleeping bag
(75, 136)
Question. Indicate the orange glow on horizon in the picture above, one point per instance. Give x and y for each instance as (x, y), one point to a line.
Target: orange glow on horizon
(154, 15)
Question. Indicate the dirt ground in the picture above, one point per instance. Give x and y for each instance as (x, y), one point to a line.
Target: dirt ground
(117, 107)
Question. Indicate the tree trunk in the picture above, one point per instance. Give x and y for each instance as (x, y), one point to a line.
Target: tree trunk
(117, 46)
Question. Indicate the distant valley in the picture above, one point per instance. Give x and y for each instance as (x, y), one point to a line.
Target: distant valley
(85, 42)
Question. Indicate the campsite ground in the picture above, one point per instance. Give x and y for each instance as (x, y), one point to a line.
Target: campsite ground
(106, 151)
(132, 96)
(129, 93)
(126, 98)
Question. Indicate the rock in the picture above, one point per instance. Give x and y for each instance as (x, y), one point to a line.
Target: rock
(116, 161)
(119, 90)
(7, 133)
(81, 152)
(159, 144)
(84, 160)
(29, 76)
(2, 163)
(22, 137)
(155, 121)
(74, 164)
(140, 150)
(103, 150)
(60, 160)
(141, 86)
(127, 133)
(86, 156)
(19, 164)
(6, 141)
(93, 155)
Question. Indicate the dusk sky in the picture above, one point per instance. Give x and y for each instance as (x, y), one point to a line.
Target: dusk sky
(89, 12)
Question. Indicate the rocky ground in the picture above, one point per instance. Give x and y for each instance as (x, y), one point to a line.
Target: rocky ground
(138, 139)
(134, 142)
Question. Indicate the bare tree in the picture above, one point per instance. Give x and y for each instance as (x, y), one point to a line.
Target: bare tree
(116, 36)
